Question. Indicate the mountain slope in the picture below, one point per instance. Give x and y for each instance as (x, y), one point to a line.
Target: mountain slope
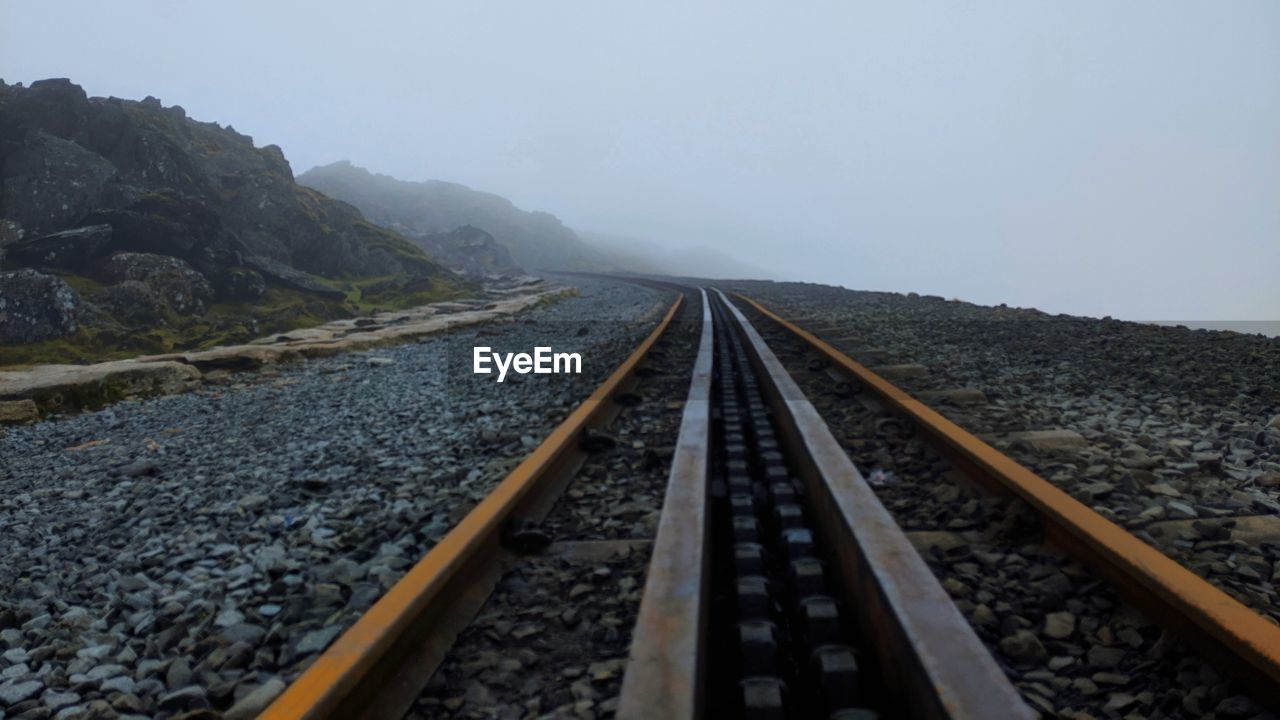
(536, 240)
(140, 227)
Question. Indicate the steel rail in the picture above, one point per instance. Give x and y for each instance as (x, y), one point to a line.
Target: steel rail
(931, 661)
(377, 667)
(1241, 642)
(665, 674)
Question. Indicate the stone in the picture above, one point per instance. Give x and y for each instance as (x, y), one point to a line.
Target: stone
(132, 303)
(181, 288)
(13, 412)
(958, 396)
(13, 692)
(1045, 440)
(188, 698)
(242, 632)
(55, 700)
(1105, 657)
(1023, 646)
(78, 249)
(58, 181)
(251, 705)
(179, 673)
(1059, 625)
(317, 640)
(901, 372)
(75, 387)
(35, 307)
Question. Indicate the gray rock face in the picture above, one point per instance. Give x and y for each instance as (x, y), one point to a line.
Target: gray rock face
(239, 284)
(36, 307)
(50, 183)
(79, 249)
(175, 283)
(132, 303)
(291, 277)
(167, 183)
(470, 250)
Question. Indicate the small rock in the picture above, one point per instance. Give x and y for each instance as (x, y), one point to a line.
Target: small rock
(318, 640)
(12, 693)
(1105, 657)
(1059, 625)
(188, 698)
(1023, 646)
(251, 705)
(55, 700)
(179, 674)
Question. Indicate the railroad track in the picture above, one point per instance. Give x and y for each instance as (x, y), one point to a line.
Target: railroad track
(778, 583)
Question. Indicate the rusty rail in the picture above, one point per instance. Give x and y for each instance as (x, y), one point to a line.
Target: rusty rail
(380, 664)
(1241, 642)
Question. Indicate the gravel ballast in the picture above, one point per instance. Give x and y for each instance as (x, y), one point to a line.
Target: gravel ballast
(1178, 431)
(552, 640)
(1072, 647)
(199, 550)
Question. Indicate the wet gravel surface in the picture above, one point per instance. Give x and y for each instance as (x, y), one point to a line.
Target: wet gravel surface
(1072, 647)
(552, 641)
(1179, 430)
(197, 551)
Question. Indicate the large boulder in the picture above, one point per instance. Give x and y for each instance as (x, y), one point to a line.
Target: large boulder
(239, 284)
(182, 289)
(470, 250)
(35, 307)
(49, 183)
(292, 277)
(131, 303)
(166, 223)
(79, 249)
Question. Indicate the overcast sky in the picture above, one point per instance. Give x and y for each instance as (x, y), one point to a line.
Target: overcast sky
(1086, 157)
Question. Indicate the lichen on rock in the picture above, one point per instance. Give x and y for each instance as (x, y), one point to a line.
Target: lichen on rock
(35, 307)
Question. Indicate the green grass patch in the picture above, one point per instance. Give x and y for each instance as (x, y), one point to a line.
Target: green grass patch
(278, 311)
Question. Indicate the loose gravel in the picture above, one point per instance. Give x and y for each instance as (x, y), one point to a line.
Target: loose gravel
(1071, 645)
(1180, 428)
(552, 641)
(198, 551)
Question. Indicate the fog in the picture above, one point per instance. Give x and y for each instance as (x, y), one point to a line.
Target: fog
(1096, 158)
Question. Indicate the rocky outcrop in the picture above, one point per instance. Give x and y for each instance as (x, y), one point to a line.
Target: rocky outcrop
(469, 250)
(289, 277)
(182, 290)
(167, 183)
(131, 303)
(36, 307)
(84, 180)
(78, 250)
(239, 284)
(50, 183)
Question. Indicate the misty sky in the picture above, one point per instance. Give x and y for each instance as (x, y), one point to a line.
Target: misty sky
(1086, 157)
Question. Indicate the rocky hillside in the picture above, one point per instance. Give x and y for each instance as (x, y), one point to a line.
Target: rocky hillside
(469, 250)
(126, 225)
(536, 240)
